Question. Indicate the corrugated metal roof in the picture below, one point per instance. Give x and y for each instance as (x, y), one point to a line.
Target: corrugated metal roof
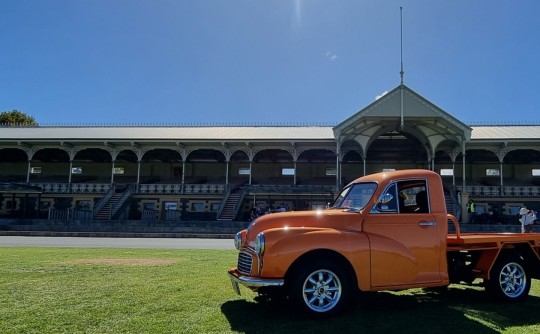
(169, 133)
(218, 133)
(505, 132)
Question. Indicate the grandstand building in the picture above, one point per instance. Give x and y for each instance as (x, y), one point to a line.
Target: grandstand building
(223, 172)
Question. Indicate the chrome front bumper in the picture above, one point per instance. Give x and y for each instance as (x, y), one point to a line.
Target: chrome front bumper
(252, 283)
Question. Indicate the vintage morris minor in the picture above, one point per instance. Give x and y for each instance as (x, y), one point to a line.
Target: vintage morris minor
(386, 231)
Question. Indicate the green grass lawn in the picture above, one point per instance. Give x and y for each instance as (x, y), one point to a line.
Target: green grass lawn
(58, 290)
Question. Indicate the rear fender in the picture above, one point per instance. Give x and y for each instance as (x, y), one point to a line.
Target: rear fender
(531, 259)
(525, 250)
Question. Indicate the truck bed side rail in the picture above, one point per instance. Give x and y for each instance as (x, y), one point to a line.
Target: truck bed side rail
(456, 225)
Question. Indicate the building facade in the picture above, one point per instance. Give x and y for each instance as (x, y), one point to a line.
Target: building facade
(233, 172)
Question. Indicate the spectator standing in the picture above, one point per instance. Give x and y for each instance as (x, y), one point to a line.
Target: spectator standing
(527, 219)
(471, 209)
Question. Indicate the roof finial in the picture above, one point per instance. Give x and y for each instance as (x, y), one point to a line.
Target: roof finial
(401, 23)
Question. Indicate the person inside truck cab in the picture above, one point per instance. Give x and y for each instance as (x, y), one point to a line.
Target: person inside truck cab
(413, 196)
(402, 198)
(422, 202)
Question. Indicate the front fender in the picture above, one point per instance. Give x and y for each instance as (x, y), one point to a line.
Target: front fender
(285, 245)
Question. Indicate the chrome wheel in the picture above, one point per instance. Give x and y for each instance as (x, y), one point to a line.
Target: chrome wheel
(322, 290)
(512, 280)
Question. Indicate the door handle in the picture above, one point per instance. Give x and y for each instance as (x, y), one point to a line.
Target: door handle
(427, 224)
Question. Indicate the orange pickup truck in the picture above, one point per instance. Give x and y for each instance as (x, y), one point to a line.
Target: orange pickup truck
(385, 231)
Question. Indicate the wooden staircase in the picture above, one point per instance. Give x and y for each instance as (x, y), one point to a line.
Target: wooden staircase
(230, 205)
(105, 212)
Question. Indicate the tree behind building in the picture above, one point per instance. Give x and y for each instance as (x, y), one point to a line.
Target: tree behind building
(16, 117)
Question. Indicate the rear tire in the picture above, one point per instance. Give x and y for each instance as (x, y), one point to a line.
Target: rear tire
(509, 280)
(320, 289)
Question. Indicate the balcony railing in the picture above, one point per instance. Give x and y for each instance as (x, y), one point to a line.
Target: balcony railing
(150, 189)
(176, 189)
(74, 188)
(495, 191)
(219, 189)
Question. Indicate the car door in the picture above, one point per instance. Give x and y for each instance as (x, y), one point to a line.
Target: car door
(405, 239)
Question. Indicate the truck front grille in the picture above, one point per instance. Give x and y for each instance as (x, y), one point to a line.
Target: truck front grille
(244, 262)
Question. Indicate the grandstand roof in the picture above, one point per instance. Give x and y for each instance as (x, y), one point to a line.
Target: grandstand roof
(168, 133)
(505, 132)
(130, 133)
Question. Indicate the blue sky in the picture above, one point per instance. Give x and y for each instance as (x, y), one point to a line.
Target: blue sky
(265, 61)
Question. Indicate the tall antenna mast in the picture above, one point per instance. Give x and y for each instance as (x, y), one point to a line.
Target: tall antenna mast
(401, 55)
(401, 111)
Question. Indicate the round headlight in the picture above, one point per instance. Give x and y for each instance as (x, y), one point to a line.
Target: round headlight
(259, 243)
(238, 240)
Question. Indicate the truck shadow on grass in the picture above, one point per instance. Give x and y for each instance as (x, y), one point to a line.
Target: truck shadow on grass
(422, 311)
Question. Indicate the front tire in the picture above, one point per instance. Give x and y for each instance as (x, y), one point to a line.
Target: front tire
(320, 289)
(509, 280)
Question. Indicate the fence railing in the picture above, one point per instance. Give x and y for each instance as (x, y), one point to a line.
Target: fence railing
(149, 215)
(58, 214)
(173, 214)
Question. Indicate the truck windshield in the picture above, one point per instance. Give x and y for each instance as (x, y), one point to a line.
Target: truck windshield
(356, 196)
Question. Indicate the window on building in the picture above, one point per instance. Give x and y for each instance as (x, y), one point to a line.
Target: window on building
(118, 170)
(513, 208)
(149, 206)
(197, 207)
(493, 172)
(35, 170)
(244, 171)
(331, 171)
(287, 171)
(536, 172)
(170, 206)
(447, 172)
(76, 170)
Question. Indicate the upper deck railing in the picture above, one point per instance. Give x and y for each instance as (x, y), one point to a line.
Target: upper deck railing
(477, 191)
(150, 189)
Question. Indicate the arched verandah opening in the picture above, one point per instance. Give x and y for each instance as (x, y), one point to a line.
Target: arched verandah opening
(521, 167)
(316, 167)
(161, 165)
(13, 165)
(206, 166)
(50, 165)
(273, 166)
(91, 165)
(395, 151)
(482, 167)
(240, 169)
(446, 168)
(351, 165)
(125, 170)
